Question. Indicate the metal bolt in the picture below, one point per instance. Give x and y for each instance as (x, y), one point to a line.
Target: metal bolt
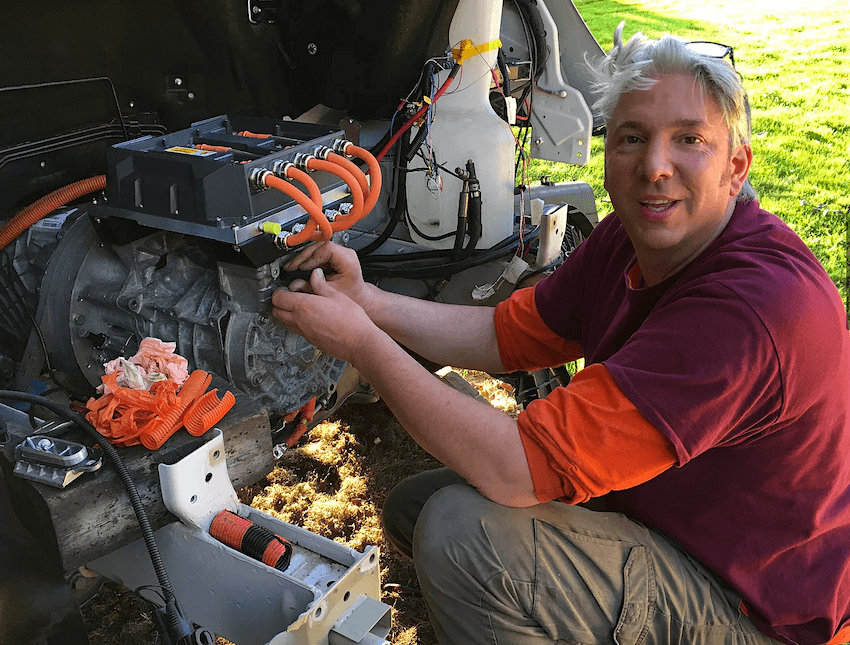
(43, 165)
(263, 320)
(45, 444)
(538, 141)
(132, 104)
(563, 94)
(255, 10)
(178, 81)
(312, 48)
(191, 96)
(79, 319)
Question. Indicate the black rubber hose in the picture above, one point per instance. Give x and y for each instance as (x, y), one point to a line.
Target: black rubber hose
(123, 474)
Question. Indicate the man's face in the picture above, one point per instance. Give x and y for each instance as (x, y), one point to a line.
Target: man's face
(669, 171)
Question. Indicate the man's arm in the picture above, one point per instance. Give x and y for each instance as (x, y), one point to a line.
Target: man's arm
(457, 335)
(479, 442)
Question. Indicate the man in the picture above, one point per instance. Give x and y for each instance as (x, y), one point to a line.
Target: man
(713, 410)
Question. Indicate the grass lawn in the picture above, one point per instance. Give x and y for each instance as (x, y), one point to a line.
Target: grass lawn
(795, 61)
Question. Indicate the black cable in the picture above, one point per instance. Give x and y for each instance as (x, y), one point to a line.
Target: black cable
(449, 268)
(444, 253)
(400, 207)
(126, 480)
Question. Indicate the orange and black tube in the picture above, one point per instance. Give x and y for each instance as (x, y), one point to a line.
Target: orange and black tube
(251, 539)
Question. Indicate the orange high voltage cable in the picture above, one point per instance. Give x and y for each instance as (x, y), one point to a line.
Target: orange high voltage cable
(374, 173)
(356, 213)
(316, 215)
(50, 202)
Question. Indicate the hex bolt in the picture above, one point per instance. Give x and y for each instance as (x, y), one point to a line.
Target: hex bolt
(312, 48)
(538, 141)
(79, 319)
(191, 96)
(563, 94)
(178, 81)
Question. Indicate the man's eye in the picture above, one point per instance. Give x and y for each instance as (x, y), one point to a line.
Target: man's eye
(690, 139)
(630, 138)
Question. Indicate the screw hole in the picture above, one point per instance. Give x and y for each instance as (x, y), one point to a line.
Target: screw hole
(318, 613)
(217, 454)
(193, 499)
(346, 596)
(208, 477)
(371, 558)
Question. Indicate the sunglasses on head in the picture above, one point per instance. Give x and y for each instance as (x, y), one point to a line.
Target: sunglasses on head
(712, 50)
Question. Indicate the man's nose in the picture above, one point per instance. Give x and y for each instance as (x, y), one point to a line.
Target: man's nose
(657, 161)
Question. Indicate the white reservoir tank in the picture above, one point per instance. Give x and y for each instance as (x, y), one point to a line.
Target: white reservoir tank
(466, 127)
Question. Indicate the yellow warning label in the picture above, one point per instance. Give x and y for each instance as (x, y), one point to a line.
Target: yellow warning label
(190, 151)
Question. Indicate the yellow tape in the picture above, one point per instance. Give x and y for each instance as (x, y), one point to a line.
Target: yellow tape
(468, 49)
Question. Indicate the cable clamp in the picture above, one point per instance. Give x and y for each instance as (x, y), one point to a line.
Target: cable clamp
(321, 152)
(301, 160)
(467, 49)
(258, 177)
(280, 168)
(341, 145)
(280, 240)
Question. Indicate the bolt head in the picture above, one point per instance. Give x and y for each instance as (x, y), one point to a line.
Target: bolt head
(563, 94)
(312, 48)
(178, 81)
(538, 141)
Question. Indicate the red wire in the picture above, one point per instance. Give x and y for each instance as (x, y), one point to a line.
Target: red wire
(416, 116)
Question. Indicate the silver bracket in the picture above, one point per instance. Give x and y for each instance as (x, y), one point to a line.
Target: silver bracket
(54, 462)
(561, 121)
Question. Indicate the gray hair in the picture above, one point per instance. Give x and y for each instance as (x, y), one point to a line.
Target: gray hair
(638, 64)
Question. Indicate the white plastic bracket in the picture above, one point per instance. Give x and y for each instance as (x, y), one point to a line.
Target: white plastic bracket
(197, 487)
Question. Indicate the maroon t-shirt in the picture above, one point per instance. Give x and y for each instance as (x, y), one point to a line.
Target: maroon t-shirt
(742, 361)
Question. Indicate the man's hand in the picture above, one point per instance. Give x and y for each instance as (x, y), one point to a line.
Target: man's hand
(326, 317)
(341, 268)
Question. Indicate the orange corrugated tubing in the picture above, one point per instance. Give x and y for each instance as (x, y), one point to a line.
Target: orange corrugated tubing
(50, 202)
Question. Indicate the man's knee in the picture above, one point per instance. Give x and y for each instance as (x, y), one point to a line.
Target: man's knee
(461, 530)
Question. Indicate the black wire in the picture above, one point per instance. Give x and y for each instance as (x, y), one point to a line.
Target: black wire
(22, 303)
(123, 474)
(398, 210)
(447, 269)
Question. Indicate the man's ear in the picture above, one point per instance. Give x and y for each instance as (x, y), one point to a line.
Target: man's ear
(740, 164)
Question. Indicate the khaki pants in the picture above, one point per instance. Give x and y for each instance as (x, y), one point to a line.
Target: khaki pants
(553, 573)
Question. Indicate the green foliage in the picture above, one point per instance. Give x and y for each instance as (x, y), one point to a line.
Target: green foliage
(794, 58)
